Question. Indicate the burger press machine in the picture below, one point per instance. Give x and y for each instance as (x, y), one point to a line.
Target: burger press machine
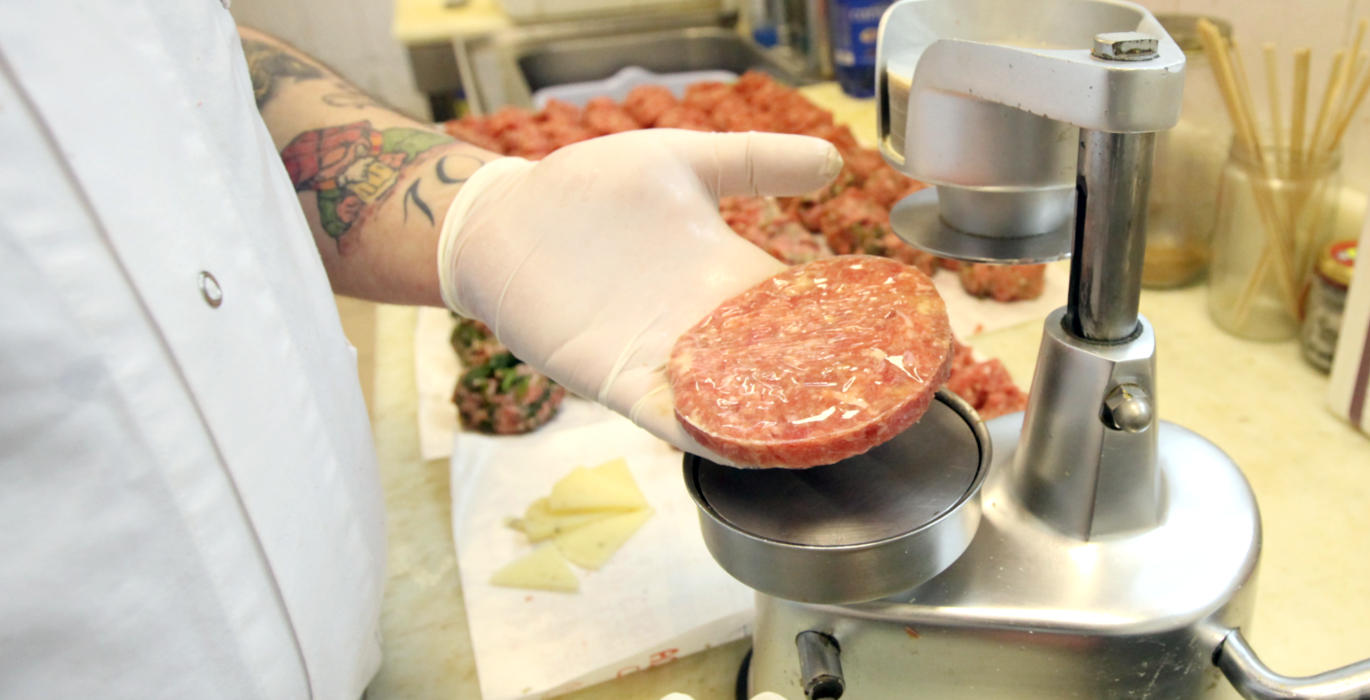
(1095, 551)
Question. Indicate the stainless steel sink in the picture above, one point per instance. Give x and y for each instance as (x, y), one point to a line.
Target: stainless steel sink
(505, 69)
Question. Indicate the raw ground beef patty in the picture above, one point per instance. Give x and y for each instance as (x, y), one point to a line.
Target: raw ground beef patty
(819, 363)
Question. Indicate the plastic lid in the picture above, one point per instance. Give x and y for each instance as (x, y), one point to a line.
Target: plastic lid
(1337, 261)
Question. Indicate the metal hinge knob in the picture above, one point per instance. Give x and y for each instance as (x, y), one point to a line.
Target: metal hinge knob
(1127, 408)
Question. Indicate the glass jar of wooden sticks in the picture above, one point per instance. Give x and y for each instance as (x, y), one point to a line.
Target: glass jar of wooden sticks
(1273, 216)
(1279, 189)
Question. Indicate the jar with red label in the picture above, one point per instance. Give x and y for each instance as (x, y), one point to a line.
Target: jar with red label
(1326, 300)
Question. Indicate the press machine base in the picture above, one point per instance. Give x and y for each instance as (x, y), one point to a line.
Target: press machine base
(1028, 612)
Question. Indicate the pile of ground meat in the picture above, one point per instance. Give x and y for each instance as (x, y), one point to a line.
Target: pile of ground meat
(497, 393)
(985, 384)
(849, 215)
(473, 341)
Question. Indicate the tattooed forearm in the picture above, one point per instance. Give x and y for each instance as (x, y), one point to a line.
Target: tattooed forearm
(353, 168)
(268, 65)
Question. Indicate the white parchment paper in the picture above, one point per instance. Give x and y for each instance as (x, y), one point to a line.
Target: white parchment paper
(660, 597)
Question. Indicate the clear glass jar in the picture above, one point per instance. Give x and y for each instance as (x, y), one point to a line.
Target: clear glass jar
(1188, 161)
(1272, 219)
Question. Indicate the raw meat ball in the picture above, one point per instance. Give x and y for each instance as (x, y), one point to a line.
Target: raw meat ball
(1003, 282)
(505, 397)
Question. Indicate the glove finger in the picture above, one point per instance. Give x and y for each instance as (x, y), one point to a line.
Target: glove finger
(757, 163)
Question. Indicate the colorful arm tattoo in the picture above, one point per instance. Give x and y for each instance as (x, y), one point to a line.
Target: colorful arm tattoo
(354, 167)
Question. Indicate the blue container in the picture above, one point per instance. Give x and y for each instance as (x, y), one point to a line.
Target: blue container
(853, 27)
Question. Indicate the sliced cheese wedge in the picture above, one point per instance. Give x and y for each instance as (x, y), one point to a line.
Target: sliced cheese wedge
(616, 470)
(591, 545)
(540, 523)
(609, 486)
(541, 569)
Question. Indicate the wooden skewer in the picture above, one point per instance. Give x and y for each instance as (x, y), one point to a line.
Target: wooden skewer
(1284, 165)
(1320, 150)
(1312, 206)
(1329, 95)
(1355, 56)
(1238, 109)
(1315, 163)
(1353, 78)
(1239, 73)
(1359, 61)
(1277, 246)
(1272, 92)
(1244, 96)
(1355, 61)
(1350, 112)
(1302, 58)
(1269, 168)
(1248, 293)
(1351, 56)
(1361, 27)
(1346, 109)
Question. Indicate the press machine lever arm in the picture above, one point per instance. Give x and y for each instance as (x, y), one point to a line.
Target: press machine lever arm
(1254, 680)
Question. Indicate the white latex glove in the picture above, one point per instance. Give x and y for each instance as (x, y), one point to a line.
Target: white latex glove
(590, 263)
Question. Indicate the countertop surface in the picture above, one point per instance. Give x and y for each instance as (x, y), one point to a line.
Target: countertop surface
(1259, 402)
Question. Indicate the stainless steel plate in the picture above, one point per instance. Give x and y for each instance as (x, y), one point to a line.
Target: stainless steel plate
(864, 528)
(917, 220)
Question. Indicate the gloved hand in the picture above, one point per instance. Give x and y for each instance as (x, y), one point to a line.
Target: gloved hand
(590, 263)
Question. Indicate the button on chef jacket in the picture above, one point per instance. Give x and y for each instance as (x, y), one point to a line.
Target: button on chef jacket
(189, 504)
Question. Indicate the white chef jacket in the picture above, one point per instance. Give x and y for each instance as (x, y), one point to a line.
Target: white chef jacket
(189, 503)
